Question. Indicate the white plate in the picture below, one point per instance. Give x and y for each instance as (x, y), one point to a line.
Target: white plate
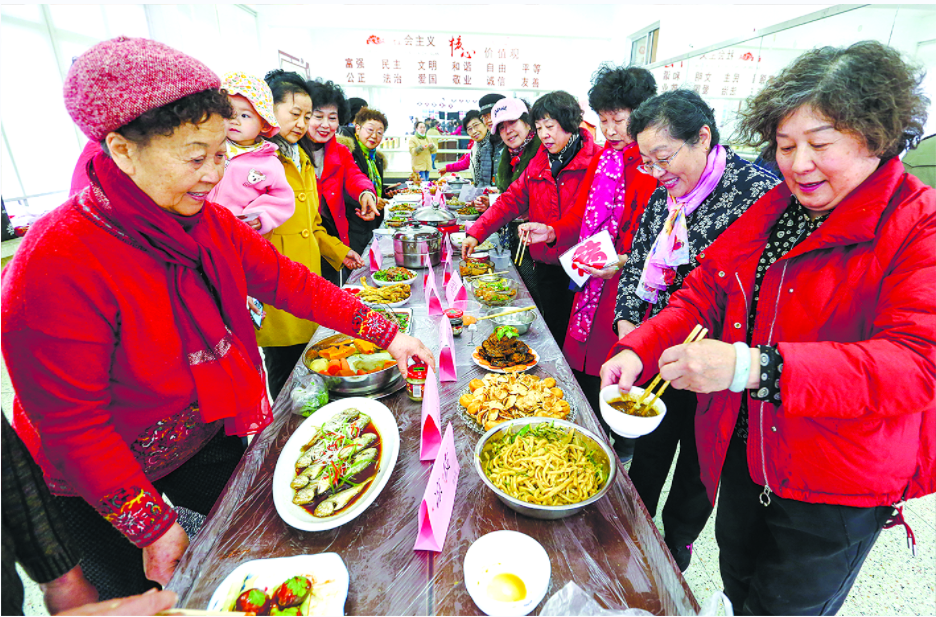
(409, 198)
(326, 569)
(408, 281)
(502, 371)
(507, 552)
(285, 470)
(379, 305)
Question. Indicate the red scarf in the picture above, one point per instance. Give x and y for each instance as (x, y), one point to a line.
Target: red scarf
(211, 315)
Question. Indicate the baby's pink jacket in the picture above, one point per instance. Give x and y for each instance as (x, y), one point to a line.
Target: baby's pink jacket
(256, 182)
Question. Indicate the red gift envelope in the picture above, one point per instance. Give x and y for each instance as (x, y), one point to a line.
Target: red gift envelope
(431, 435)
(447, 370)
(435, 510)
(376, 259)
(455, 293)
(432, 294)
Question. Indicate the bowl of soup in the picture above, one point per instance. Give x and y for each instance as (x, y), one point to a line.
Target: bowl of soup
(625, 416)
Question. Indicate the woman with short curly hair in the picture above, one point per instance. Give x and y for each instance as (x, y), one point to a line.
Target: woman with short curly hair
(338, 175)
(613, 197)
(817, 380)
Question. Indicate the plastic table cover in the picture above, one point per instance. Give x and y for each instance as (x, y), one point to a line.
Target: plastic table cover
(611, 549)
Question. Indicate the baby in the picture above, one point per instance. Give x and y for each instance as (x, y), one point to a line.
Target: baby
(254, 186)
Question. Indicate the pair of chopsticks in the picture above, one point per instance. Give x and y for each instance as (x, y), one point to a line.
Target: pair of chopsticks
(529, 308)
(698, 333)
(488, 274)
(524, 238)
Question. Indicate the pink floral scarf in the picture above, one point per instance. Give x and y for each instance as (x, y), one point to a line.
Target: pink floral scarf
(671, 248)
(604, 210)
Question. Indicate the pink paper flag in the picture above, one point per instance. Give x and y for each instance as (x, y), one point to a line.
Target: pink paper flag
(431, 436)
(455, 293)
(447, 371)
(435, 510)
(432, 294)
(376, 259)
(449, 268)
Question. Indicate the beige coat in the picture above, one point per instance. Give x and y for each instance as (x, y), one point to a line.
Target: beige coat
(422, 161)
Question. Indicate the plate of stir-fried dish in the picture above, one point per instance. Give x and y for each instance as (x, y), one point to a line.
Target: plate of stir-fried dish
(335, 464)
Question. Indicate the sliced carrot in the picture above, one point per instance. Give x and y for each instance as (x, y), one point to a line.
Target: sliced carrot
(361, 372)
(345, 366)
(365, 346)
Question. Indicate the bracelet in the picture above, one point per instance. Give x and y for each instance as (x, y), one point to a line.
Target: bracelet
(742, 367)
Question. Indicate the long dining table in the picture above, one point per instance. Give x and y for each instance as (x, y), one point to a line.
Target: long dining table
(611, 549)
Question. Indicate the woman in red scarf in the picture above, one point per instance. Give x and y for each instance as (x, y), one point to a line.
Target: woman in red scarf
(614, 199)
(125, 326)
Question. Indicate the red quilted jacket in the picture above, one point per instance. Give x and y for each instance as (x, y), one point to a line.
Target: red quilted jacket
(543, 198)
(340, 175)
(853, 312)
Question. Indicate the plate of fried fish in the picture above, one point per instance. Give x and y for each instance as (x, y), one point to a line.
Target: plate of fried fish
(335, 464)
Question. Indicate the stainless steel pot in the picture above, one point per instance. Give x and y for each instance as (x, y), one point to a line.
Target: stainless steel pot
(417, 246)
(436, 217)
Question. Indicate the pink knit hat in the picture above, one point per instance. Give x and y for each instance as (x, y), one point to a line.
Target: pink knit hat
(117, 81)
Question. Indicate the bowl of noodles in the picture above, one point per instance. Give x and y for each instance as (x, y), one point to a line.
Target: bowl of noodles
(512, 459)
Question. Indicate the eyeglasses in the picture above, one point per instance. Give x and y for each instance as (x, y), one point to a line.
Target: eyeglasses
(477, 126)
(368, 131)
(662, 164)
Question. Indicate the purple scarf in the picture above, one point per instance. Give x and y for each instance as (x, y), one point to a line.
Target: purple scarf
(671, 248)
(604, 210)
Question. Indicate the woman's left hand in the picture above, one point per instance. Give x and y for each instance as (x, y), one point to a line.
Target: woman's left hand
(353, 261)
(705, 366)
(605, 273)
(403, 347)
(368, 207)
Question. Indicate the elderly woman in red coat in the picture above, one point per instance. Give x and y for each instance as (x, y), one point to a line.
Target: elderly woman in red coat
(125, 324)
(338, 175)
(816, 409)
(545, 192)
(613, 197)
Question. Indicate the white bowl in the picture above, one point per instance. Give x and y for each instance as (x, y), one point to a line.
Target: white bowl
(326, 569)
(285, 469)
(624, 424)
(507, 552)
(457, 238)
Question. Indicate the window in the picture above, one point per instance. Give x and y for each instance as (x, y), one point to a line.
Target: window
(644, 45)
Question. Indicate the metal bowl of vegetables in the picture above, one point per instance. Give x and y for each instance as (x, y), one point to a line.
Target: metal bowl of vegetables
(521, 321)
(498, 466)
(352, 367)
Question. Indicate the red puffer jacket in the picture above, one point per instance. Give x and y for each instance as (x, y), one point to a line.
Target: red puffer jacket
(853, 313)
(545, 200)
(340, 175)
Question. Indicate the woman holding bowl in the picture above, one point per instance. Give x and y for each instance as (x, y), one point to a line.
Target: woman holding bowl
(544, 193)
(615, 199)
(137, 372)
(817, 384)
(704, 188)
